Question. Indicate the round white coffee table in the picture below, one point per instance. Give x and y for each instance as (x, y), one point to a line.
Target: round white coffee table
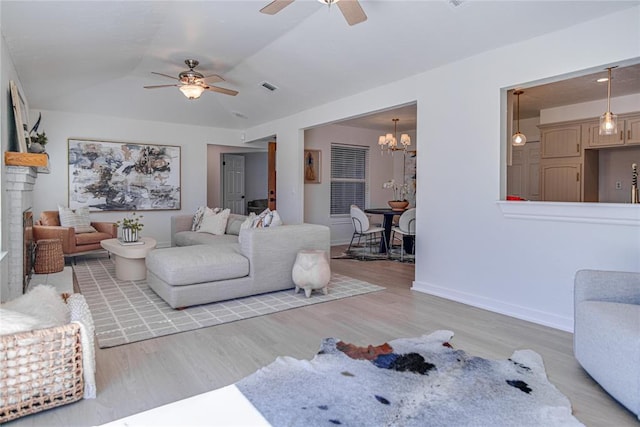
(129, 258)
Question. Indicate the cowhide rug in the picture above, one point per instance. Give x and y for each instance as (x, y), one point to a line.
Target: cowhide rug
(407, 382)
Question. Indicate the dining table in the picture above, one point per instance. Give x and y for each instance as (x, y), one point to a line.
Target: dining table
(387, 223)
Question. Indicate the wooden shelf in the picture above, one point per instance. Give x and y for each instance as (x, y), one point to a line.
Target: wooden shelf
(25, 159)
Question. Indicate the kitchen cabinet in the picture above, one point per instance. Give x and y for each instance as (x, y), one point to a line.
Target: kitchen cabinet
(561, 181)
(560, 141)
(628, 133)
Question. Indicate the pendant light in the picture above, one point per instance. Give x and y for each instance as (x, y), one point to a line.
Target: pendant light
(609, 121)
(518, 139)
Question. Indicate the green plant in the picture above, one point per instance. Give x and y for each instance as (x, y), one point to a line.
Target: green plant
(40, 138)
(131, 222)
(34, 136)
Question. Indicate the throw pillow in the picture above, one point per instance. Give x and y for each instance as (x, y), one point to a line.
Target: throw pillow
(201, 212)
(215, 224)
(78, 219)
(267, 218)
(234, 224)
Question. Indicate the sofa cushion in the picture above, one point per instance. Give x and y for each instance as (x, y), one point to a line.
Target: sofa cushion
(91, 238)
(188, 238)
(188, 265)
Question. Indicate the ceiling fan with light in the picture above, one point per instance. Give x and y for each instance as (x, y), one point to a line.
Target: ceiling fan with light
(351, 9)
(192, 83)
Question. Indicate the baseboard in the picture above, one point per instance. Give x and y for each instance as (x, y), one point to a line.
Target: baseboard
(523, 313)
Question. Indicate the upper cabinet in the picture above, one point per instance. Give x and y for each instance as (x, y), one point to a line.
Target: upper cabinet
(628, 133)
(560, 141)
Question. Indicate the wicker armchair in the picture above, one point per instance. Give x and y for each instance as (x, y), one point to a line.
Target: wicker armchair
(48, 227)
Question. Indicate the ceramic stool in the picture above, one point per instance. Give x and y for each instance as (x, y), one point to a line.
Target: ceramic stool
(311, 271)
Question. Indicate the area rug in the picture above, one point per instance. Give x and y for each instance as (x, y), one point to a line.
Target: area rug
(407, 382)
(365, 254)
(130, 311)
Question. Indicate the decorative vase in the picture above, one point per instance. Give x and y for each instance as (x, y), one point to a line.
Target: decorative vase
(311, 271)
(36, 147)
(129, 235)
(398, 205)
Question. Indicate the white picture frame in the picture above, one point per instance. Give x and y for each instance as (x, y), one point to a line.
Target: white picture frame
(21, 117)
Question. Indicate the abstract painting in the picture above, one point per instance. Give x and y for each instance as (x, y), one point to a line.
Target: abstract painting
(123, 176)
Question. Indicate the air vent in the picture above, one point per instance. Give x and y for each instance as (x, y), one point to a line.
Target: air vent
(268, 86)
(456, 3)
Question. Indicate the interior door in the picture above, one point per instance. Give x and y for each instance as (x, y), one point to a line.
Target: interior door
(233, 185)
(271, 159)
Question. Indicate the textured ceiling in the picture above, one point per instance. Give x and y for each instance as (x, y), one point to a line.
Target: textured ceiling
(95, 56)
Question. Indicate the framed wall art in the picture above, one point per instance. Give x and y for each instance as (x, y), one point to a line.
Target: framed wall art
(21, 117)
(312, 166)
(123, 176)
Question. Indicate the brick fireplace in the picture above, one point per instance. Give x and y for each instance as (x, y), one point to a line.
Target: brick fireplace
(20, 181)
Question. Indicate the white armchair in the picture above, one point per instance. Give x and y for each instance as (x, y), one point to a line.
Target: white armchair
(607, 332)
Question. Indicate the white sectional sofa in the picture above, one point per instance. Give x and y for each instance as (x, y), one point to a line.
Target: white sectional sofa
(203, 268)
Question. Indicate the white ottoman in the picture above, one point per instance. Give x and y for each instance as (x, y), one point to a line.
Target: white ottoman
(311, 271)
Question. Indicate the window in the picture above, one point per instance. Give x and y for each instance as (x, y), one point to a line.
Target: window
(348, 177)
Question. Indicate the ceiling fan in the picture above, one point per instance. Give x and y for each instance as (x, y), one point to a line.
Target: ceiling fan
(351, 9)
(192, 83)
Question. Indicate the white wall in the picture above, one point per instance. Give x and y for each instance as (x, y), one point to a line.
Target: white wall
(466, 249)
(52, 189)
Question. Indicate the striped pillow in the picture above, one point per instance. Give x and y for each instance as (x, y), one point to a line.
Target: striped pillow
(78, 219)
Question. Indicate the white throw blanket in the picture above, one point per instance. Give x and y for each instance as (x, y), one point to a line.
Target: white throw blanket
(81, 315)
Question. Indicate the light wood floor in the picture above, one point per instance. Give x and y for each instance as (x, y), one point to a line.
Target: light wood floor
(140, 376)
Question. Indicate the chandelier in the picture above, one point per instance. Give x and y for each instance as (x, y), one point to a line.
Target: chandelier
(389, 141)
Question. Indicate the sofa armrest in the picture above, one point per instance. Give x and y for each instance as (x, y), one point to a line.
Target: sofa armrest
(180, 223)
(65, 234)
(111, 228)
(611, 286)
(272, 251)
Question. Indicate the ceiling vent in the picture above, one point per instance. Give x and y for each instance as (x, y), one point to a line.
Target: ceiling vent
(456, 3)
(268, 86)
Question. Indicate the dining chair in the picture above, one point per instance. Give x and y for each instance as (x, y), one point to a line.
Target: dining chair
(406, 228)
(362, 228)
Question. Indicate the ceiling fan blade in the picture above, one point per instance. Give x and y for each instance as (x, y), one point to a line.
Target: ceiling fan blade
(221, 90)
(165, 75)
(213, 78)
(158, 86)
(275, 6)
(352, 11)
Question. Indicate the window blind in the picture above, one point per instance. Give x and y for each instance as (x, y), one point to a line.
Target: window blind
(348, 177)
